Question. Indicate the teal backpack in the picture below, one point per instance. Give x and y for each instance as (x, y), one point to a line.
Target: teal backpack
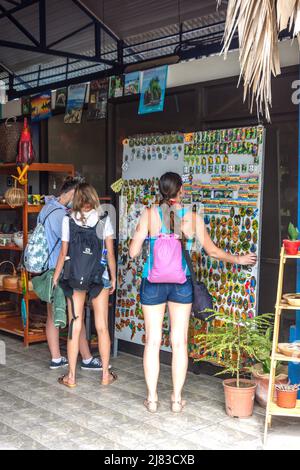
(36, 254)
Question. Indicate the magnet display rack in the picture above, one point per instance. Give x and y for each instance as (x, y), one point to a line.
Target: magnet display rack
(13, 324)
(281, 306)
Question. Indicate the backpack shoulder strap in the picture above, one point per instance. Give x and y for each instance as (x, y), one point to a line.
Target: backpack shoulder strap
(48, 215)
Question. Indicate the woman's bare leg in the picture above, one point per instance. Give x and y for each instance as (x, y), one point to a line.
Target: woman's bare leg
(180, 318)
(100, 305)
(52, 334)
(73, 344)
(154, 317)
(84, 345)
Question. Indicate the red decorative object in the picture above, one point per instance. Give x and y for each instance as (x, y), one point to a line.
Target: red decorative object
(26, 154)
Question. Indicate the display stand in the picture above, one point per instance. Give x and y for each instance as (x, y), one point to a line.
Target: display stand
(223, 173)
(281, 306)
(14, 324)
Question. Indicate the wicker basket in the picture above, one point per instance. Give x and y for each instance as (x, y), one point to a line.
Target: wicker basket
(2, 276)
(15, 197)
(9, 138)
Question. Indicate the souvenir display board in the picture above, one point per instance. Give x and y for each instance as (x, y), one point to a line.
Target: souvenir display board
(145, 160)
(223, 171)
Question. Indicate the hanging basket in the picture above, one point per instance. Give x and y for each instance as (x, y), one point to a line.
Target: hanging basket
(10, 132)
(15, 197)
(2, 276)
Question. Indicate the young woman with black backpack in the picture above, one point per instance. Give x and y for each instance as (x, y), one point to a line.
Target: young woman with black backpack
(87, 235)
(167, 281)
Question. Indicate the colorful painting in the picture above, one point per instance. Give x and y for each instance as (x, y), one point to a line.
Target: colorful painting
(132, 84)
(75, 103)
(116, 87)
(98, 99)
(41, 106)
(61, 99)
(153, 92)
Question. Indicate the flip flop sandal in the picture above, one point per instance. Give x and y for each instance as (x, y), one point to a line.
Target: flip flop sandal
(178, 406)
(112, 379)
(62, 381)
(151, 406)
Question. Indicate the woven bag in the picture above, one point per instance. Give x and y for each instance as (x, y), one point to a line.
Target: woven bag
(10, 132)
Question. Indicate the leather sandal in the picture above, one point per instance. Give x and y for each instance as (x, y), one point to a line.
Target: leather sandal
(151, 406)
(178, 406)
(112, 378)
(62, 381)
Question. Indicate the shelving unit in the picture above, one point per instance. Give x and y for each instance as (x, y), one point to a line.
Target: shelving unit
(13, 324)
(281, 306)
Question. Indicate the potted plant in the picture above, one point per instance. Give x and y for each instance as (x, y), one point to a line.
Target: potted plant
(287, 395)
(261, 371)
(293, 243)
(235, 344)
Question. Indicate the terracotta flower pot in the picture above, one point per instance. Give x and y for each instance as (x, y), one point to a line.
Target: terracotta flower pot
(262, 381)
(287, 399)
(291, 247)
(239, 401)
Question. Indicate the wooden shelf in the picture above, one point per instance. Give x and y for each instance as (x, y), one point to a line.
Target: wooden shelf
(32, 209)
(285, 306)
(31, 295)
(7, 168)
(283, 358)
(10, 248)
(6, 207)
(277, 411)
(14, 325)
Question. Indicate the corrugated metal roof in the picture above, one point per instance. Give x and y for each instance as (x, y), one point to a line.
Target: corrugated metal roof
(150, 28)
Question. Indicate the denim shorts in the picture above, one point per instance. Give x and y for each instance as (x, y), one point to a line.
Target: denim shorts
(157, 294)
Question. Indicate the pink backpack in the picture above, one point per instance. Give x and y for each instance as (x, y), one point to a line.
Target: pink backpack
(167, 261)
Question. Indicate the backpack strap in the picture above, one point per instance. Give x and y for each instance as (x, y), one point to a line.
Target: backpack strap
(99, 227)
(73, 317)
(57, 241)
(48, 215)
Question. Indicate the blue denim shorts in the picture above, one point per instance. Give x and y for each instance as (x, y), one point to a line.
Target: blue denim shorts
(157, 294)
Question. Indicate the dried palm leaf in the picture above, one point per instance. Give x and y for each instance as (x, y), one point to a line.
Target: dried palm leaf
(259, 54)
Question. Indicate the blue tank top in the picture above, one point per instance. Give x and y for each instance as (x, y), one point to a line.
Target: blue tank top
(189, 243)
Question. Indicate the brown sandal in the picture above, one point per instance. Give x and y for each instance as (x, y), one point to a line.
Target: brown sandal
(112, 378)
(62, 381)
(151, 406)
(178, 406)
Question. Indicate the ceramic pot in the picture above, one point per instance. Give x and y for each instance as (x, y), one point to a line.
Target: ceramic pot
(239, 401)
(291, 247)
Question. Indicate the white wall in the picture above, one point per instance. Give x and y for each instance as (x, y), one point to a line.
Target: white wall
(196, 71)
(215, 67)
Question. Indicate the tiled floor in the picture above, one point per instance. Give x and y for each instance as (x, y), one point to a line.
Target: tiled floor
(37, 413)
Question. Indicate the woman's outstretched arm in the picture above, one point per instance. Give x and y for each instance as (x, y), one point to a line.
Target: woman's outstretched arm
(213, 251)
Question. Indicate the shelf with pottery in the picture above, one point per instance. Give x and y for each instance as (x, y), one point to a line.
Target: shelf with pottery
(14, 325)
(282, 352)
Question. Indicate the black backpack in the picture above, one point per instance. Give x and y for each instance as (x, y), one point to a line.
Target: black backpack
(83, 268)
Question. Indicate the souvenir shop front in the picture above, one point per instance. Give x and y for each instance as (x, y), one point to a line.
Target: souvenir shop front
(243, 175)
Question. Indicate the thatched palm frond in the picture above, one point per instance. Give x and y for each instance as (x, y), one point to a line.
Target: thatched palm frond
(258, 24)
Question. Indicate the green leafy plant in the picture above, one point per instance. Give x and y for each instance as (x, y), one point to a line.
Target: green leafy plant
(293, 232)
(236, 344)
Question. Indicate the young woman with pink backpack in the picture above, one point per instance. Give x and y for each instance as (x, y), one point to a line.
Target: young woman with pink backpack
(167, 282)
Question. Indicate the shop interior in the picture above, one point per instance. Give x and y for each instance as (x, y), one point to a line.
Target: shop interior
(196, 101)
